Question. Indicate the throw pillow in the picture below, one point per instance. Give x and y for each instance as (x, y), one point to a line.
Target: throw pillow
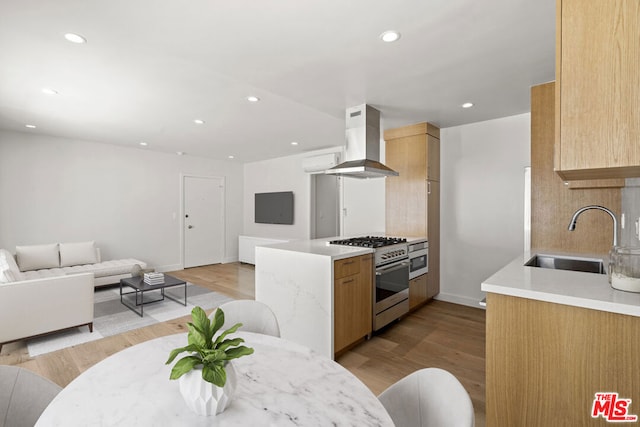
(78, 253)
(12, 272)
(4, 269)
(37, 257)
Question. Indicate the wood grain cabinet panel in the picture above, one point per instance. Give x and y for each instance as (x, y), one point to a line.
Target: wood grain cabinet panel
(346, 267)
(413, 197)
(546, 361)
(417, 291)
(598, 89)
(552, 203)
(353, 300)
(433, 232)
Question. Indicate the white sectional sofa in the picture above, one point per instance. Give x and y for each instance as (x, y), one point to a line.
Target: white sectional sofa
(29, 308)
(60, 259)
(46, 288)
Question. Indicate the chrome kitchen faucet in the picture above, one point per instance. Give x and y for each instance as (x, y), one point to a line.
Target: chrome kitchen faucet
(572, 224)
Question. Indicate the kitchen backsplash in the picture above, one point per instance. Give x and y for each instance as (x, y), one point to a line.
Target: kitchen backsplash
(631, 210)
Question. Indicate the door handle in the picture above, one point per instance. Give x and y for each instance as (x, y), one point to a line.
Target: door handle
(190, 227)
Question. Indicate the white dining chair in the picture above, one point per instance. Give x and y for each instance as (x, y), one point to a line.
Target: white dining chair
(428, 397)
(23, 396)
(255, 316)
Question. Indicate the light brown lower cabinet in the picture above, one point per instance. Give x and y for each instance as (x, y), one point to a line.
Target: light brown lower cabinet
(417, 291)
(352, 300)
(546, 362)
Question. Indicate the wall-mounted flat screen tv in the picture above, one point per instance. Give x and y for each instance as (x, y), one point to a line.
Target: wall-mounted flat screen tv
(274, 208)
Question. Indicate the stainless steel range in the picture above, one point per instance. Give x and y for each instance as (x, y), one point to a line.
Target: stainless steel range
(391, 296)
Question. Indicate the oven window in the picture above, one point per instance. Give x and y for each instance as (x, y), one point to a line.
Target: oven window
(418, 263)
(391, 282)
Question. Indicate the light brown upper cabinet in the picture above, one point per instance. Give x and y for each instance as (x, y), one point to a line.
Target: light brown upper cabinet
(414, 152)
(597, 89)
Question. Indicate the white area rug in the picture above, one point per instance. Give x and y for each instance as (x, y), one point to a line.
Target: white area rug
(111, 317)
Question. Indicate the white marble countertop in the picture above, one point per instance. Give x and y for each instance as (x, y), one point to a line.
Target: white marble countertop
(282, 383)
(323, 248)
(587, 290)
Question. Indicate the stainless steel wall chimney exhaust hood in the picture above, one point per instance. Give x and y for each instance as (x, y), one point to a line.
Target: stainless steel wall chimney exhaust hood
(363, 145)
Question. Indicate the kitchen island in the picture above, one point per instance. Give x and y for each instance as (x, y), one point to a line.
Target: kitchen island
(554, 340)
(296, 279)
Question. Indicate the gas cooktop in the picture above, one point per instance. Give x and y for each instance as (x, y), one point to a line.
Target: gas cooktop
(369, 241)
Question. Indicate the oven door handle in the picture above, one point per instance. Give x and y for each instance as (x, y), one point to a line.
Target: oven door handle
(382, 271)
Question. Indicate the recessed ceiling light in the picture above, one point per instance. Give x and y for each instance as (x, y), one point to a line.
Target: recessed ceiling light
(294, 143)
(467, 105)
(198, 121)
(49, 91)
(144, 144)
(75, 38)
(231, 157)
(30, 126)
(180, 153)
(253, 98)
(390, 36)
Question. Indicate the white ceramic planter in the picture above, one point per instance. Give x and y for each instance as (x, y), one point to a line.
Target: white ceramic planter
(205, 398)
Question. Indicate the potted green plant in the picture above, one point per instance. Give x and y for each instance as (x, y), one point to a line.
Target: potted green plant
(207, 379)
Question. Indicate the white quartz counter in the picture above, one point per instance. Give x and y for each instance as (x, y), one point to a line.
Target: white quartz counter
(586, 290)
(321, 247)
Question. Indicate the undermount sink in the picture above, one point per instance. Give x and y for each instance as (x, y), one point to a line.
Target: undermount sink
(587, 265)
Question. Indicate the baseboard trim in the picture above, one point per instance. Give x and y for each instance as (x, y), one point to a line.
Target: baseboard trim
(170, 267)
(459, 299)
(176, 267)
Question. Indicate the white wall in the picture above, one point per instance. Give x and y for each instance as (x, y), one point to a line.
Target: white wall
(126, 199)
(363, 199)
(363, 206)
(482, 202)
(281, 174)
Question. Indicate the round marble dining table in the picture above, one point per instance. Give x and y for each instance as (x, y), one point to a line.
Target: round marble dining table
(281, 384)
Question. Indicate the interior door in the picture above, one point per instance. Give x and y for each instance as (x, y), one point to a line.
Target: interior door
(203, 222)
(327, 207)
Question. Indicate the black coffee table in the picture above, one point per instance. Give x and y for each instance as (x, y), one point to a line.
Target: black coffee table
(140, 287)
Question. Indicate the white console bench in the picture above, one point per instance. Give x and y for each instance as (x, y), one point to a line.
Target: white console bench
(247, 247)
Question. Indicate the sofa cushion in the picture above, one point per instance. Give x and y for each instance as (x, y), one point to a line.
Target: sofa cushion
(35, 257)
(77, 253)
(5, 271)
(106, 268)
(40, 274)
(102, 269)
(4, 266)
(13, 273)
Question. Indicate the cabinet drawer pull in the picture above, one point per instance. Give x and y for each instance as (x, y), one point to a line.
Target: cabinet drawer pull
(347, 281)
(347, 262)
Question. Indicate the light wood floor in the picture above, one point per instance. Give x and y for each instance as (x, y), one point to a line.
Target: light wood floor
(439, 334)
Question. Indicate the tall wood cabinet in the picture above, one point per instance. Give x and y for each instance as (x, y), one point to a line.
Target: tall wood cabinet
(413, 197)
(353, 300)
(597, 89)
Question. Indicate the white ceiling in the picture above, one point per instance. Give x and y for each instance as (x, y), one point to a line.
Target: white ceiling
(152, 66)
